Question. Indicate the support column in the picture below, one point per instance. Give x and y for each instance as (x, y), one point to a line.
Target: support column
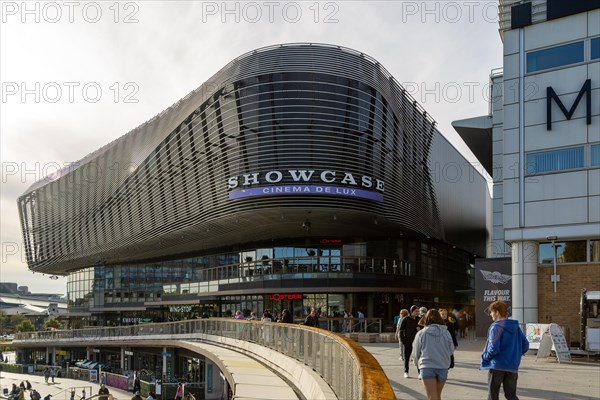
(122, 358)
(524, 282)
(164, 363)
(214, 381)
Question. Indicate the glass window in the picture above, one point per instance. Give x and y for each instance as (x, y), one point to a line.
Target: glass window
(595, 48)
(566, 252)
(596, 155)
(555, 57)
(555, 160)
(594, 250)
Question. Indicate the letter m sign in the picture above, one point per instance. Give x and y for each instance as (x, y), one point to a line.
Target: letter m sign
(551, 94)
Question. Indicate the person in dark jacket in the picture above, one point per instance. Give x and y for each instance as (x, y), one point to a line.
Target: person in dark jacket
(137, 383)
(408, 331)
(312, 319)
(451, 325)
(286, 317)
(502, 354)
(103, 393)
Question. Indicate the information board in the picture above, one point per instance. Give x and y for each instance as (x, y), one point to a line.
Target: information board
(561, 347)
(548, 337)
(544, 346)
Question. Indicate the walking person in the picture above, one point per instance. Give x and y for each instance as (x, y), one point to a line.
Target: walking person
(361, 321)
(103, 392)
(502, 353)
(408, 331)
(179, 392)
(137, 382)
(432, 352)
(450, 324)
(403, 313)
(137, 396)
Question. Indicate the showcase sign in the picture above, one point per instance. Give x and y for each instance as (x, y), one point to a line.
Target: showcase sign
(306, 182)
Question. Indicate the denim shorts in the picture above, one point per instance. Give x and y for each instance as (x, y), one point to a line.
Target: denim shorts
(439, 374)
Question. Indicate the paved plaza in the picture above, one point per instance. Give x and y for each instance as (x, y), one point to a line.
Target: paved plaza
(542, 379)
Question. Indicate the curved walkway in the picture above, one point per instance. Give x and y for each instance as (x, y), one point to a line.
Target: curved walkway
(314, 362)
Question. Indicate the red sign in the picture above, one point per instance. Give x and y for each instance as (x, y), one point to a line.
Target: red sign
(284, 296)
(330, 241)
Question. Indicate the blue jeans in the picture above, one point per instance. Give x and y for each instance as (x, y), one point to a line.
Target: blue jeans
(508, 380)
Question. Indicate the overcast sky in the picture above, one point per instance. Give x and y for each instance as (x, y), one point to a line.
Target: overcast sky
(76, 75)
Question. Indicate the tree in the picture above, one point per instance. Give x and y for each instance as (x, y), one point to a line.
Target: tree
(52, 323)
(3, 322)
(25, 326)
(8, 322)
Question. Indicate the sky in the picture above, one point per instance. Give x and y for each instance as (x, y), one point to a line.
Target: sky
(76, 75)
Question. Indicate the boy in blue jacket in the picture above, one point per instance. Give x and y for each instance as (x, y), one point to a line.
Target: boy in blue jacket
(502, 354)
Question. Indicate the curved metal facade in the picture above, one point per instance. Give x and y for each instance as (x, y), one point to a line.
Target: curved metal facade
(165, 188)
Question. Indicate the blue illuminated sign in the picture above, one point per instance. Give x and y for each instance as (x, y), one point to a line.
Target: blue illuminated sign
(306, 190)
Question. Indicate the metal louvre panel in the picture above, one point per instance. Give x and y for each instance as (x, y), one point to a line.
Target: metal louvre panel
(161, 190)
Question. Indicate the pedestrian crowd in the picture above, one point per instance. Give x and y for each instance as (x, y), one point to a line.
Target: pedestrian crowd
(19, 392)
(311, 318)
(429, 338)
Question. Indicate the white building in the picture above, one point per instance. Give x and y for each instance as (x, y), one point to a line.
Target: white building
(543, 141)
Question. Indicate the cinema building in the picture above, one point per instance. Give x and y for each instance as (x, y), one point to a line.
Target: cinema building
(298, 176)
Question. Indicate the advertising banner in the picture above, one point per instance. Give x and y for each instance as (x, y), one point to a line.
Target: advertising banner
(493, 282)
(534, 334)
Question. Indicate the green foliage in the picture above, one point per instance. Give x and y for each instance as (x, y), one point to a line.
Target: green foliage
(25, 326)
(8, 323)
(52, 323)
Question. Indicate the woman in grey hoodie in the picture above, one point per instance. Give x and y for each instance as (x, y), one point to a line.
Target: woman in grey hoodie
(432, 349)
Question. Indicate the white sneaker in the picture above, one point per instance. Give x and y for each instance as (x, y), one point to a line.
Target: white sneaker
(406, 374)
(420, 377)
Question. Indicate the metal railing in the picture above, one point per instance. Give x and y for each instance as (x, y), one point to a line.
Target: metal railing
(348, 325)
(343, 364)
(208, 280)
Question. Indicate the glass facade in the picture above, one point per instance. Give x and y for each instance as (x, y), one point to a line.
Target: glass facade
(162, 286)
(555, 57)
